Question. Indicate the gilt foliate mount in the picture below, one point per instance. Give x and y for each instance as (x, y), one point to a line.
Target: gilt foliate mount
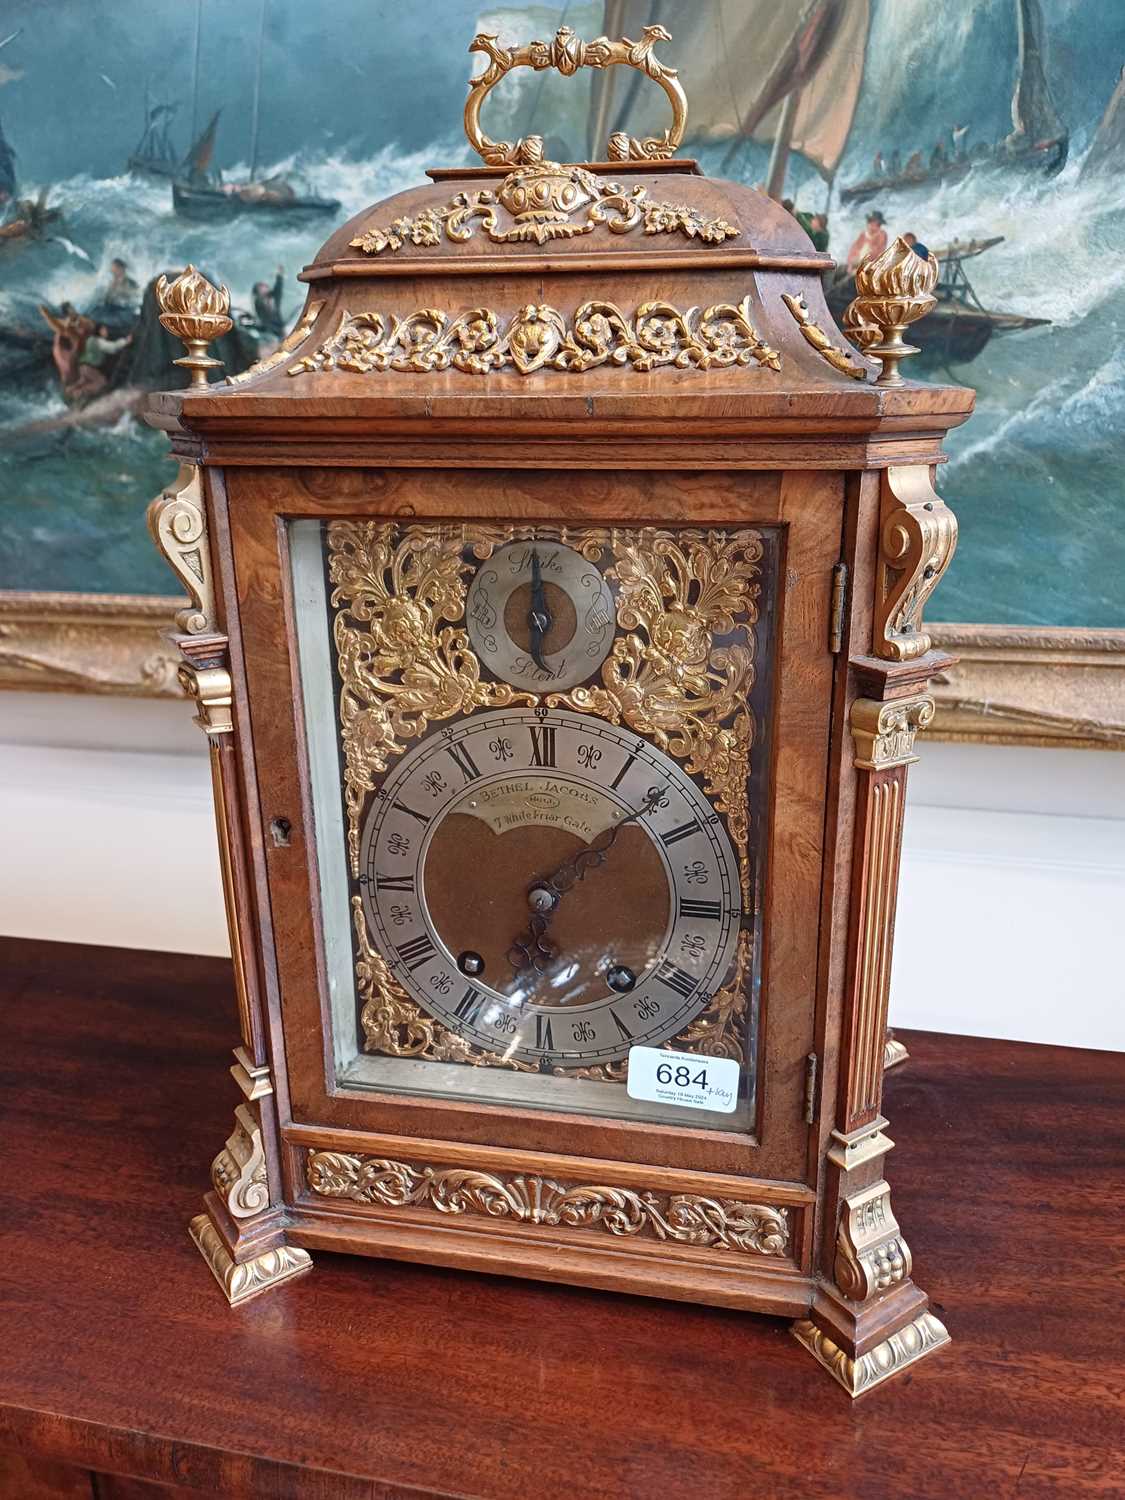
(680, 674)
(675, 674)
(539, 337)
(545, 202)
(685, 1218)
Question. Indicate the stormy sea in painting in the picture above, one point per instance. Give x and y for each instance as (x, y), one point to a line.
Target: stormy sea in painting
(74, 496)
(1033, 477)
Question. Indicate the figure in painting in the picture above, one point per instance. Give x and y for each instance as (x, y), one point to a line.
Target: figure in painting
(267, 305)
(83, 352)
(69, 331)
(871, 240)
(95, 361)
(815, 226)
(26, 219)
(122, 293)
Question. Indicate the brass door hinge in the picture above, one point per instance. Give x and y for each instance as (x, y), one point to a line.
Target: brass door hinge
(838, 607)
(810, 1087)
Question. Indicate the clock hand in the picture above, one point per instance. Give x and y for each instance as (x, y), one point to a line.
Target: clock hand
(533, 949)
(539, 619)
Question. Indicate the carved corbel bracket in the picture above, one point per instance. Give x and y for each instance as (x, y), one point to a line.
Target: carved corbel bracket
(238, 1173)
(883, 733)
(211, 690)
(917, 538)
(871, 1254)
(177, 522)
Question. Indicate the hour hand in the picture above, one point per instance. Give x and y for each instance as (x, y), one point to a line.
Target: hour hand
(533, 949)
(539, 619)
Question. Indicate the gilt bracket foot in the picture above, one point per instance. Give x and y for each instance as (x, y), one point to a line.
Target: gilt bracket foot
(858, 1376)
(241, 1280)
(894, 1051)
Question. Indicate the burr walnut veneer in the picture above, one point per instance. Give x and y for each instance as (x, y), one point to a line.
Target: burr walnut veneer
(567, 461)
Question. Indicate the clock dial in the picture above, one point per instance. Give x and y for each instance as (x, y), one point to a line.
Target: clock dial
(539, 614)
(550, 887)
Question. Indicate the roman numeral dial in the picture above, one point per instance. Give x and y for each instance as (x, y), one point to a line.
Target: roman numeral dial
(464, 762)
(417, 951)
(543, 745)
(703, 911)
(552, 889)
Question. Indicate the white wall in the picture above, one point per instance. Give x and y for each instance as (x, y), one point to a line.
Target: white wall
(104, 844)
(1012, 904)
(1010, 916)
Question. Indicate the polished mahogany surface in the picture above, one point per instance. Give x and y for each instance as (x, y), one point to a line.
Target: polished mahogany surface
(376, 1380)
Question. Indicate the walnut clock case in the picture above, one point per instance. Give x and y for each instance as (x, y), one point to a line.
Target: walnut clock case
(556, 594)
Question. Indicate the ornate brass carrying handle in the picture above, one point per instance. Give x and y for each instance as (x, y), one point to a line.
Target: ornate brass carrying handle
(568, 53)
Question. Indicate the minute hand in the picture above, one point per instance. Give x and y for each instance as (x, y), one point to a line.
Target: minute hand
(539, 619)
(532, 948)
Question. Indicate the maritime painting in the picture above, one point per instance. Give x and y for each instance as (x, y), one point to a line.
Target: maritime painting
(138, 136)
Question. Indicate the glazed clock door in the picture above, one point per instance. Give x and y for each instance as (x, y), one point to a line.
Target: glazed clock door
(541, 804)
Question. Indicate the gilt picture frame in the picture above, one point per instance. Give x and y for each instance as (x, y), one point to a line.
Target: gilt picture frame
(1049, 687)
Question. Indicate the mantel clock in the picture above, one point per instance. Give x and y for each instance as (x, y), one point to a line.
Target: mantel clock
(555, 621)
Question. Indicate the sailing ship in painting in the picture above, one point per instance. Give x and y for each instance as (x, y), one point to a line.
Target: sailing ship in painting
(154, 154)
(198, 187)
(789, 76)
(802, 99)
(199, 190)
(22, 220)
(1106, 155)
(1038, 140)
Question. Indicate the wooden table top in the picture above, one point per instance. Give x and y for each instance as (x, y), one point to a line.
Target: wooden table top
(372, 1379)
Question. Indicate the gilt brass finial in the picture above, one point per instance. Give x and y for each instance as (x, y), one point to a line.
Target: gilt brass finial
(197, 313)
(893, 290)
